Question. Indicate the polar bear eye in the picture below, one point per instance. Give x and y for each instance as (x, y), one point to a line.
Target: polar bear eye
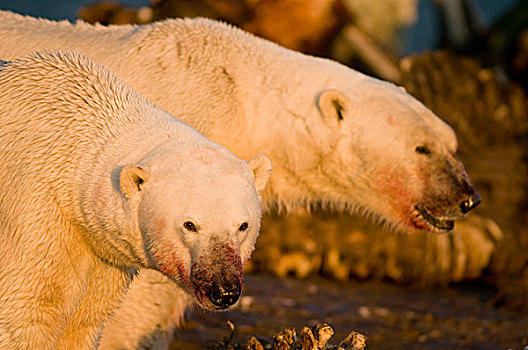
(243, 226)
(189, 226)
(423, 150)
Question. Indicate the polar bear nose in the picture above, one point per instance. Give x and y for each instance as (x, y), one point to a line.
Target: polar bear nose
(224, 296)
(470, 203)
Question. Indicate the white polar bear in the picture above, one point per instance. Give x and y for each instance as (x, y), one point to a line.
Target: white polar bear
(335, 136)
(97, 182)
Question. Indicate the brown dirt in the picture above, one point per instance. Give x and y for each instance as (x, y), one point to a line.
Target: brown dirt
(392, 317)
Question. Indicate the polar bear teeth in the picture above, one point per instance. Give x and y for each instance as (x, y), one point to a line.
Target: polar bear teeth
(444, 225)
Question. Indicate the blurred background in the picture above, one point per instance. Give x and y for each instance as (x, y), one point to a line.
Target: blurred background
(467, 60)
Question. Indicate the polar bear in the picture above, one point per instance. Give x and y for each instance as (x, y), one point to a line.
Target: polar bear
(335, 136)
(96, 183)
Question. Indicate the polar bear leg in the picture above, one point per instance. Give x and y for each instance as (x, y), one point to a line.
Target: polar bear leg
(84, 330)
(148, 315)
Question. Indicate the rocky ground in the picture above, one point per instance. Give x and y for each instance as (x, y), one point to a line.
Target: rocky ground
(391, 316)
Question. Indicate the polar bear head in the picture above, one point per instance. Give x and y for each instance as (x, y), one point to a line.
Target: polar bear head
(198, 213)
(394, 156)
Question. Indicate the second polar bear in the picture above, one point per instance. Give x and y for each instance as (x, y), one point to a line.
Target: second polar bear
(335, 136)
(96, 183)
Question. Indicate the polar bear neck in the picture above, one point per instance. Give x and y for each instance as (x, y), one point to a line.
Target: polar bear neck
(293, 132)
(238, 80)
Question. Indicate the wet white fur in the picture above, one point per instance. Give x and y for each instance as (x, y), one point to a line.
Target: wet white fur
(253, 96)
(71, 232)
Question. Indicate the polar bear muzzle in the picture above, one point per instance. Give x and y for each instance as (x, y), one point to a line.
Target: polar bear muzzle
(217, 277)
(450, 196)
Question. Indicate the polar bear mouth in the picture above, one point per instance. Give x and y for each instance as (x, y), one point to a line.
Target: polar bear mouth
(442, 224)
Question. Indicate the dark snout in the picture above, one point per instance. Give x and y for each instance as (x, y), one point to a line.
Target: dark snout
(223, 296)
(470, 203)
(470, 196)
(452, 196)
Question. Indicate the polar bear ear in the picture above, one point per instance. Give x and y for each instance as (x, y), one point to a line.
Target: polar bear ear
(131, 179)
(333, 105)
(261, 168)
